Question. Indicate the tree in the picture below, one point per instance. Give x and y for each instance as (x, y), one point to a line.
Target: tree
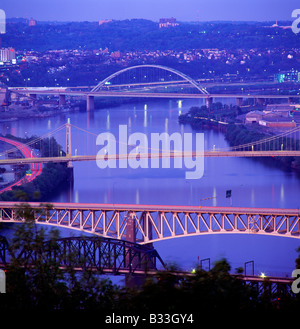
(35, 278)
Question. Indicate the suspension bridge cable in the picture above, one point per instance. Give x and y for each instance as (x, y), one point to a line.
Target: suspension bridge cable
(35, 140)
(265, 140)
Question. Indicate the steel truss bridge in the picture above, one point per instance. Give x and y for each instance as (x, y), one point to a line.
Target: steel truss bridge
(104, 255)
(145, 224)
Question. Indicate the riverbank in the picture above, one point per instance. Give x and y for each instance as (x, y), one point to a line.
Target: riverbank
(228, 120)
(19, 111)
(53, 177)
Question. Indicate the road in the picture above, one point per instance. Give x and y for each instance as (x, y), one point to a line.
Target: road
(162, 208)
(36, 168)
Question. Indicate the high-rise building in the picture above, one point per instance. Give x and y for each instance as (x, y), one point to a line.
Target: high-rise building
(167, 22)
(7, 55)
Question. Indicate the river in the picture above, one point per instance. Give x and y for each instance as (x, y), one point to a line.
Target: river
(253, 183)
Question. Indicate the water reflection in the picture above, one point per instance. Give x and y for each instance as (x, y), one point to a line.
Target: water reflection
(282, 194)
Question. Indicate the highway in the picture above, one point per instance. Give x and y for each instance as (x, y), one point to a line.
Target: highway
(36, 168)
(162, 208)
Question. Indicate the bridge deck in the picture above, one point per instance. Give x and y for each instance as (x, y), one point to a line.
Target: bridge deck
(150, 155)
(149, 223)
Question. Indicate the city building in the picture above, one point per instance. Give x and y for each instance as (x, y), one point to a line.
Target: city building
(116, 54)
(277, 122)
(7, 55)
(284, 110)
(167, 22)
(4, 95)
(275, 116)
(288, 76)
(32, 22)
(254, 116)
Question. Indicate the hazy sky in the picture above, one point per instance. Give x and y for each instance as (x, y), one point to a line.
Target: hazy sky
(183, 10)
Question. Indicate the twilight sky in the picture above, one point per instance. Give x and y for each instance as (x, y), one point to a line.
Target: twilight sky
(183, 10)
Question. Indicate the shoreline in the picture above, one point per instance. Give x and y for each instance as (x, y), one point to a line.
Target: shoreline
(51, 175)
(237, 133)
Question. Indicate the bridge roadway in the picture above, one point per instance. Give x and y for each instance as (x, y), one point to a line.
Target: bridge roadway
(161, 208)
(145, 224)
(145, 94)
(152, 155)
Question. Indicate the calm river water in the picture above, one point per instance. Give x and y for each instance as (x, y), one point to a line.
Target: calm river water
(253, 183)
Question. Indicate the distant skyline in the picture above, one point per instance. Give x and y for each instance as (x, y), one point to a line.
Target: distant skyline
(183, 10)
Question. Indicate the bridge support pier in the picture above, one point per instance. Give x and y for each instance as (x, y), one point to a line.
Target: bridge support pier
(132, 280)
(90, 103)
(239, 101)
(130, 231)
(62, 100)
(260, 101)
(33, 98)
(209, 102)
(69, 145)
(290, 100)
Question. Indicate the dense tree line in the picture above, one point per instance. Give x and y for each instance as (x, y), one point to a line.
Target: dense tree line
(143, 35)
(139, 34)
(201, 116)
(242, 135)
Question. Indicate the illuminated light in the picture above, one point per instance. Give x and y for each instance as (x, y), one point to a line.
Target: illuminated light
(193, 270)
(263, 275)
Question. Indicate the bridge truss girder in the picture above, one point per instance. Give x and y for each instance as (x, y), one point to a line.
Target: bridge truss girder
(104, 255)
(154, 223)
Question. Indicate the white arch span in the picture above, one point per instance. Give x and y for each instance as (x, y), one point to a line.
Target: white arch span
(165, 68)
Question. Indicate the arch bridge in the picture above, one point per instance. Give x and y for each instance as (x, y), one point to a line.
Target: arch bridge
(145, 224)
(133, 81)
(144, 88)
